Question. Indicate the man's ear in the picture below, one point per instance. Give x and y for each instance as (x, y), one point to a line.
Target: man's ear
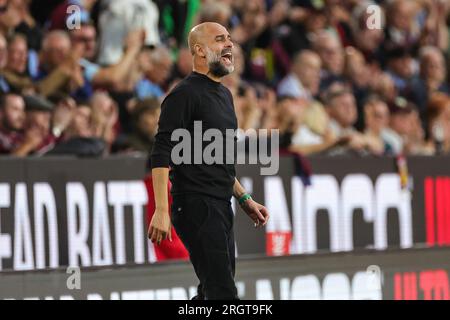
(199, 51)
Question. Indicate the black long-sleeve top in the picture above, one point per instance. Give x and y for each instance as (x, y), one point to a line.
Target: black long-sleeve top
(197, 98)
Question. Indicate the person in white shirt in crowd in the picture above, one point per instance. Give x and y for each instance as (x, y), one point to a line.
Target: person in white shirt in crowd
(296, 135)
(117, 19)
(303, 83)
(304, 79)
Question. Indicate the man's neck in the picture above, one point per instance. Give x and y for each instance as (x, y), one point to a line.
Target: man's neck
(207, 73)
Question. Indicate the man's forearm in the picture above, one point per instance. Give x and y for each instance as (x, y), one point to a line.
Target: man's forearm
(160, 178)
(238, 189)
(118, 72)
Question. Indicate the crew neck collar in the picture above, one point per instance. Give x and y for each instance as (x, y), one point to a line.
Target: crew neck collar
(208, 78)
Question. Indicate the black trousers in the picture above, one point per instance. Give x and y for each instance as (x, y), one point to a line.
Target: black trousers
(205, 226)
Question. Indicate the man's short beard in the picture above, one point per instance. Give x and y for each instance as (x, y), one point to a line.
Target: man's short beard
(216, 68)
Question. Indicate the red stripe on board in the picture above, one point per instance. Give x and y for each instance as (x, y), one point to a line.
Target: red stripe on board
(440, 210)
(409, 286)
(414, 295)
(429, 211)
(398, 290)
(447, 211)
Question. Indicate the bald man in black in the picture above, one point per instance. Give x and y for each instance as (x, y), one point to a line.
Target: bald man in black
(201, 210)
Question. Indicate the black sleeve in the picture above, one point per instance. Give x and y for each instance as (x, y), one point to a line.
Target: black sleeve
(176, 112)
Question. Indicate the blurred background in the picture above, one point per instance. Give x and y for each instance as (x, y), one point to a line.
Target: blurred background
(358, 89)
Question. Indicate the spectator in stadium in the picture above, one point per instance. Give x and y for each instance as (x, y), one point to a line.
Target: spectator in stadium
(356, 70)
(416, 143)
(17, 54)
(400, 121)
(376, 113)
(81, 123)
(267, 103)
(15, 72)
(400, 67)
(303, 82)
(79, 138)
(367, 40)
(117, 76)
(60, 58)
(252, 23)
(85, 34)
(145, 118)
(341, 106)
(403, 29)
(435, 30)
(215, 11)
(383, 86)
(405, 133)
(438, 111)
(9, 18)
(38, 125)
(301, 21)
(331, 52)
(19, 77)
(105, 115)
(156, 67)
(378, 61)
(360, 75)
(304, 79)
(296, 135)
(79, 76)
(117, 19)
(431, 78)
(338, 16)
(28, 26)
(12, 123)
(266, 59)
(248, 112)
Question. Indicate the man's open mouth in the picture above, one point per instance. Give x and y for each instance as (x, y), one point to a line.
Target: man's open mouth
(228, 57)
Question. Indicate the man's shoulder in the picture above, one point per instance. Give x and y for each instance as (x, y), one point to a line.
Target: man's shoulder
(184, 92)
(188, 86)
(228, 92)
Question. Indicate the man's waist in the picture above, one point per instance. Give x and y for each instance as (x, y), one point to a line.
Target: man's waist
(203, 195)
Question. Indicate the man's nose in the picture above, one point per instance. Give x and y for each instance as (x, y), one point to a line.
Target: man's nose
(229, 44)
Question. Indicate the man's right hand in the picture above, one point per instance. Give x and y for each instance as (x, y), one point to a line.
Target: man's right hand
(135, 39)
(160, 227)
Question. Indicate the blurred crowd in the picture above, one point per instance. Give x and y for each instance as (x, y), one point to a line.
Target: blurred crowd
(336, 77)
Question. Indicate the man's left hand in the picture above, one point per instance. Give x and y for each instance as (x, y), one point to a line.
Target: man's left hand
(257, 212)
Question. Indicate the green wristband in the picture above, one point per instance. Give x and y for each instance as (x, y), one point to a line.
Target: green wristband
(244, 198)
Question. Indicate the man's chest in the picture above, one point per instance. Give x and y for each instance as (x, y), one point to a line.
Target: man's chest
(216, 111)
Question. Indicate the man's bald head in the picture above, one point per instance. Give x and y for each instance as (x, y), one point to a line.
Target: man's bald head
(211, 47)
(307, 66)
(307, 57)
(195, 36)
(200, 33)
